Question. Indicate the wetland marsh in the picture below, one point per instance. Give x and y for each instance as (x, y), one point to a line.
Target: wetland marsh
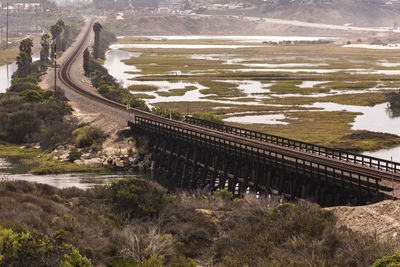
(322, 93)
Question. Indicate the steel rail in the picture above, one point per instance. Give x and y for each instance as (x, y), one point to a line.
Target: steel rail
(64, 76)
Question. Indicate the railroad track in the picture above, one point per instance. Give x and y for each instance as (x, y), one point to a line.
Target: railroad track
(332, 162)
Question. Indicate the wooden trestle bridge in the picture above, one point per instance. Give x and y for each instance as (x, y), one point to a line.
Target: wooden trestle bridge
(201, 154)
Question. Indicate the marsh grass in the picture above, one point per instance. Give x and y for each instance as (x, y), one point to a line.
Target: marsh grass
(325, 128)
(177, 92)
(143, 88)
(364, 99)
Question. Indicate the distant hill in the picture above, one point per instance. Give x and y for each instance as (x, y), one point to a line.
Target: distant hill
(340, 12)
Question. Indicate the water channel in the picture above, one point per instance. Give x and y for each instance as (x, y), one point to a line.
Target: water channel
(13, 168)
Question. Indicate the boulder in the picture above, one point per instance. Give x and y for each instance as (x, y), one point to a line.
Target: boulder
(94, 162)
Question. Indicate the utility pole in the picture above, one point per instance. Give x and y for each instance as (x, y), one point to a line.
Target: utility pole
(55, 65)
(7, 29)
(36, 9)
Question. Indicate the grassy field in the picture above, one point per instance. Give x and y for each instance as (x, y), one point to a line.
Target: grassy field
(330, 73)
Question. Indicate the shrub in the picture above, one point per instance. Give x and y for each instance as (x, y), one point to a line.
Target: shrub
(32, 95)
(137, 197)
(167, 113)
(74, 155)
(182, 261)
(74, 259)
(28, 248)
(20, 86)
(388, 261)
(87, 136)
(21, 125)
(207, 116)
(223, 194)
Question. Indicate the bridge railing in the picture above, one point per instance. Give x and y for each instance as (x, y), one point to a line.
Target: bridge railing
(372, 162)
(215, 142)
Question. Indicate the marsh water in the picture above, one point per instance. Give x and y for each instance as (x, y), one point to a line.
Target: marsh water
(376, 118)
(6, 71)
(15, 168)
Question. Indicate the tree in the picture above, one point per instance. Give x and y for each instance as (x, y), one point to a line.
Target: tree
(24, 58)
(97, 29)
(61, 44)
(86, 59)
(21, 125)
(44, 52)
(64, 42)
(55, 31)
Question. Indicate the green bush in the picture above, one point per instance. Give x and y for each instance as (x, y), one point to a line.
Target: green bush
(74, 259)
(32, 95)
(27, 248)
(167, 113)
(87, 136)
(74, 155)
(137, 197)
(388, 261)
(22, 125)
(20, 86)
(182, 261)
(223, 194)
(207, 116)
(121, 262)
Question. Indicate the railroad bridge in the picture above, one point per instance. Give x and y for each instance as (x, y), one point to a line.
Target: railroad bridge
(204, 154)
(200, 154)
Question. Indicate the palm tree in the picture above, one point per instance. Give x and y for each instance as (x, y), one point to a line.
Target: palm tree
(97, 29)
(55, 31)
(86, 59)
(24, 58)
(44, 52)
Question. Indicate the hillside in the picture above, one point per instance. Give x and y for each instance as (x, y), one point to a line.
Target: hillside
(356, 13)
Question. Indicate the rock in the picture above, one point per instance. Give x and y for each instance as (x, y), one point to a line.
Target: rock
(119, 163)
(86, 156)
(94, 162)
(78, 161)
(141, 167)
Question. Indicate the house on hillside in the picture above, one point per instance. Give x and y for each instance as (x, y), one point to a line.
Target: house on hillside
(169, 6)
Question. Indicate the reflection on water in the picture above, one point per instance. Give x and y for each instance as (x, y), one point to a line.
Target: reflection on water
(117, 68)
(179, 46)
(264, 119)
(6, 71)
(393, 112)
(388, 154)
(14, 168)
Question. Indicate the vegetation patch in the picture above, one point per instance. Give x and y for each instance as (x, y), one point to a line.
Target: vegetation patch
(41, 162)
(135, 222)
(143, 88)
(177, 92)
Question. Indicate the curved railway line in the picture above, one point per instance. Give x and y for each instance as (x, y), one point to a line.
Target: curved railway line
(369, 167)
